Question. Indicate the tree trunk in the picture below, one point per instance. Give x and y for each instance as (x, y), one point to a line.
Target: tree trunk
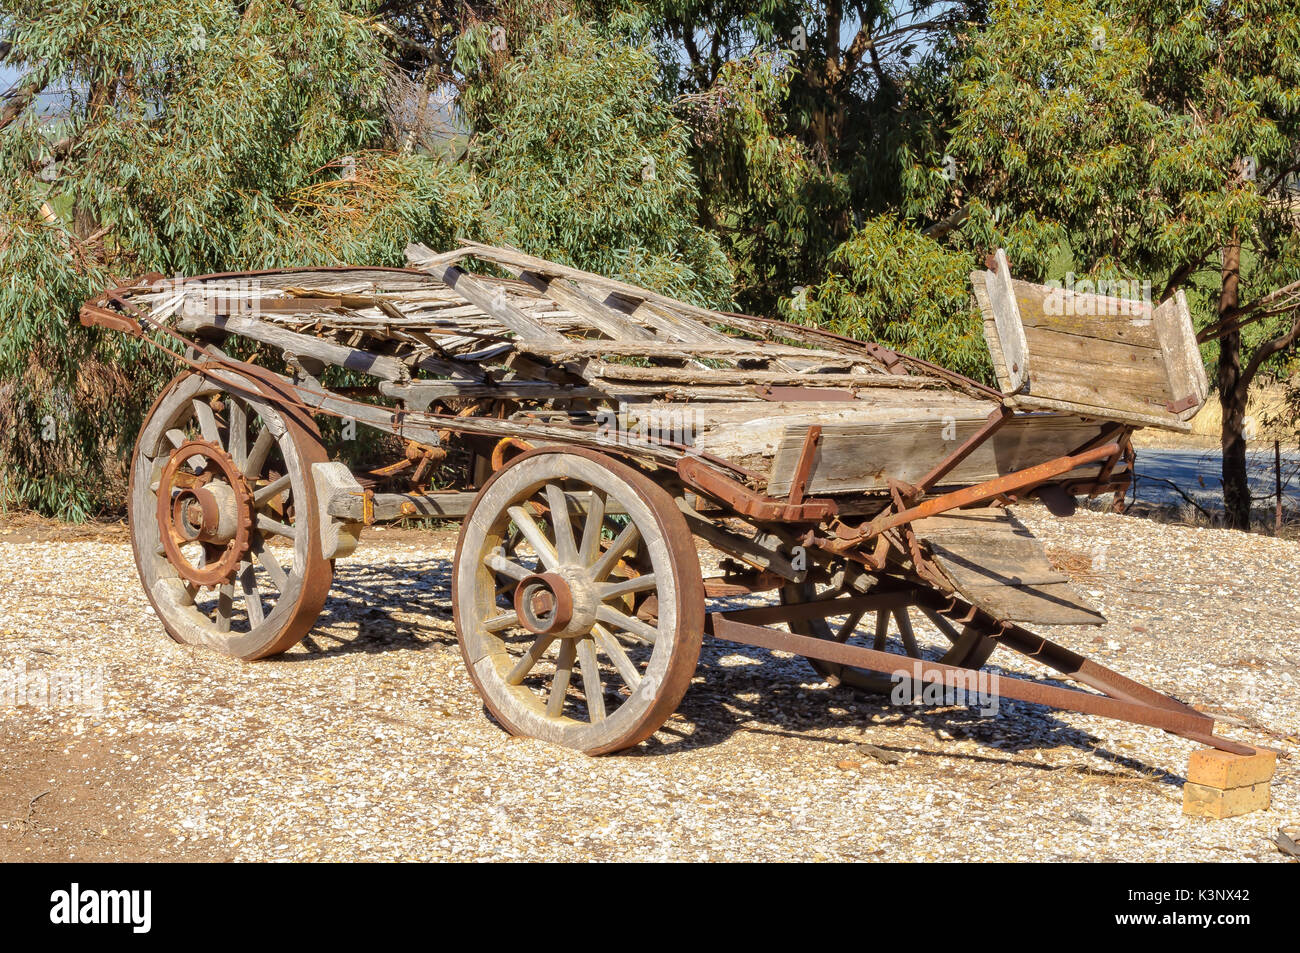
(1233, 389)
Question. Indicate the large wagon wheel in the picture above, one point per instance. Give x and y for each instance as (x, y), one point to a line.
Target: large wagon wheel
(572, 564)
(887, 630)
(223, 517)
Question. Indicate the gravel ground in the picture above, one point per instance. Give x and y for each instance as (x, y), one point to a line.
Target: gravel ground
(367, 741)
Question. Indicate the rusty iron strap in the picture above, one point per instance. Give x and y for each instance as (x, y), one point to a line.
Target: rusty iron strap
(1011, 483)
(802, 470)
(820, 609)
(991, 426)
(745, 501)
(1192, 724)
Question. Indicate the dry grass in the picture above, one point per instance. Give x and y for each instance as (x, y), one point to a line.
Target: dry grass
(1266, 406)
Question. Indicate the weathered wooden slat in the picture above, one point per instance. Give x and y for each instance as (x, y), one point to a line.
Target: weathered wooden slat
(302, 345)
(1010, 331)
(419, 394)
(1186, 369)
(733, 350)
(864, 456)
(1100, 318)
(721, 376)
(494, 303)
(566, 294)
(998, 565)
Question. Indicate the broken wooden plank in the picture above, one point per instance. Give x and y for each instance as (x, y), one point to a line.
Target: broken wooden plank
(493, 302)
(997, 564)
(1187, 379)
(300, 345)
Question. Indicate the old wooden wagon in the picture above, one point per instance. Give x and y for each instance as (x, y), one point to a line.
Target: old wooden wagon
(606, 434)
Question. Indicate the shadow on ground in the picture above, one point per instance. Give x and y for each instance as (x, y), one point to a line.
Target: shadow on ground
(739, 688)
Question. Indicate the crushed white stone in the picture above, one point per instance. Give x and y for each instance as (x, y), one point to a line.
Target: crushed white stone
(367, 742)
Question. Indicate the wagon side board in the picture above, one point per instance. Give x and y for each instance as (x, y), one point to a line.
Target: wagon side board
(1113, 358)
(863, 457)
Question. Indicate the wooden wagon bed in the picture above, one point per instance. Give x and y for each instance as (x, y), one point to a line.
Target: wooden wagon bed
(563, 345)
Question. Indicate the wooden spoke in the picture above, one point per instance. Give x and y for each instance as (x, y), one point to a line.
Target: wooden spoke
(611, 616)
(175, 437)
(560, 683)
(269, 492)
(265, 524)
(258, 454)
(207, 421)
(274, 571)
(623, 663)
(497, 562)
(882, 631)
(566, 546)
(225, 607)
(505, 620)
(589, 548)
(592, 687)
(252, 595)
(529, 660)
(849, 627)
(906, 633)
(237, 423)
(536, 538)
(622, 543)
(942, 624)
(609, 590)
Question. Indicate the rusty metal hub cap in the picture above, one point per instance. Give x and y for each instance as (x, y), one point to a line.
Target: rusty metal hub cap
(561, 603)
(203, 499)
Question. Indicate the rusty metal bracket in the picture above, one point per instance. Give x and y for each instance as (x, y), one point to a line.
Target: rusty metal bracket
(992, 425)
(889, 359)
(747, 502)
(1011, 483)
(803, 468)
(1183, 403)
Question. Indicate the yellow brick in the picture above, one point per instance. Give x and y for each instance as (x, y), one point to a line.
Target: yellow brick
(1222, 769)
(1201, 800)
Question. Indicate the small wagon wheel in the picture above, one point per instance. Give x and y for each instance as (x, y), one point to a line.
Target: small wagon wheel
(223, 517)
(889, 630)
(578, 599)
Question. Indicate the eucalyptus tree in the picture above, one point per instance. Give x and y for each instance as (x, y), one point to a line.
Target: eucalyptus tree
(174, 136)
(1141, 140)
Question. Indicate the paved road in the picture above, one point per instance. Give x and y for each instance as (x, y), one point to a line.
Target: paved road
(1198, 472)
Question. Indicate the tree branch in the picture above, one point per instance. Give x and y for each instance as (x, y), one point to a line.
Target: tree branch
(19, 100)
(1236, 318)
(1267, 350)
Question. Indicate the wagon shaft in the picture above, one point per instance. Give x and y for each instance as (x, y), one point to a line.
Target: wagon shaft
(601, 429)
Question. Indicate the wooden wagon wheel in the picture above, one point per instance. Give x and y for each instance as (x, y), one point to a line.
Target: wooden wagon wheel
(889, 630)
(579, 602)
(223, 517)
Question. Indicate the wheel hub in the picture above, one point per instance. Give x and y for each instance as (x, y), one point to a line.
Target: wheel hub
(562, 602)
(213, 508)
